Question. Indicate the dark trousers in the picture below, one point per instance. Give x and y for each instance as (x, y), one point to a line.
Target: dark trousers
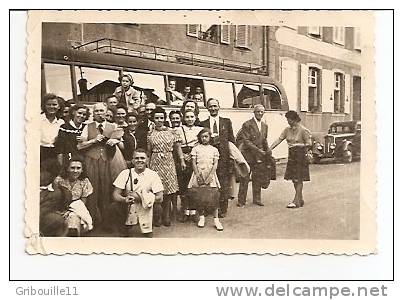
(223, 174)
(256, 186)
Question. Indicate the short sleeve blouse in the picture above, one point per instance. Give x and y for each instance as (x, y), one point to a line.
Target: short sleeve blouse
(79, 189)
(296, 135)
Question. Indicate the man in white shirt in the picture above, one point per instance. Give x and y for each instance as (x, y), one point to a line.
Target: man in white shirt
(50, 124)
(135, 192)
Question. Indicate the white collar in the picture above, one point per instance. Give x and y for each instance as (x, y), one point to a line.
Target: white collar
(103, 124)
(44, 118)
(258, 122)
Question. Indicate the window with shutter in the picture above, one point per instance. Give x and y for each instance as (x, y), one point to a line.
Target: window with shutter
(314, 30)
(193, 30)
(225, 34)
(338, 35)
(242, 36)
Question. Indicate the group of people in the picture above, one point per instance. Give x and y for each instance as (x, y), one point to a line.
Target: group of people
(128, 168)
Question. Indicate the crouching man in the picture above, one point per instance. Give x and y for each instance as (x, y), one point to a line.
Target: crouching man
(135, 192)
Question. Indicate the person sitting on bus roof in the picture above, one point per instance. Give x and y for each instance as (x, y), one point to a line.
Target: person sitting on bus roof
(126, 94)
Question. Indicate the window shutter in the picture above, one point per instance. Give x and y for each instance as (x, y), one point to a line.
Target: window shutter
(328, 85)
(193, 30)
(347, 94)
(304, 87)
(242, 36)
(357, 38)
(225, 34)
(289, 79)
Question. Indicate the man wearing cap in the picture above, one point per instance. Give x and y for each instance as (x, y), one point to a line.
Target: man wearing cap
(135, 192)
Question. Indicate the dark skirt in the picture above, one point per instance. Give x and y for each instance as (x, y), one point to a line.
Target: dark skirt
(297, 165)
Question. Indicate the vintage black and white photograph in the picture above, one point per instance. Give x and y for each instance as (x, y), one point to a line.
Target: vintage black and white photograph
(195, 132)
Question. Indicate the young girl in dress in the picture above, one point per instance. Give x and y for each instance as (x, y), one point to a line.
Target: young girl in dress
(74, 180)
(204, 180)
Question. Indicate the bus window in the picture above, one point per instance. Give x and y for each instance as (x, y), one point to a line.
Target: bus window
(58, 80)
(180, 89)
(247, 95)
(94, 85)
(222, 91)
(271, 96)
(151, 86)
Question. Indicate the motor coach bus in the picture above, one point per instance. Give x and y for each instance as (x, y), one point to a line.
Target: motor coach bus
(88, 76)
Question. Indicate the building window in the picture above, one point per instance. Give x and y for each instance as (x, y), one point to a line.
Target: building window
(338, 95)
(357, 38)
(209, 33)
(338, 35)
(313, 89)
(243, 36)
(314, 31)
(192, 30)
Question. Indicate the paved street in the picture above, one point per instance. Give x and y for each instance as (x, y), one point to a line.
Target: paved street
(331, 210)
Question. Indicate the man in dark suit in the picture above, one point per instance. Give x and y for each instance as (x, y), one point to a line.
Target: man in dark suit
(252, 141)
(222, 134)
(145, 126)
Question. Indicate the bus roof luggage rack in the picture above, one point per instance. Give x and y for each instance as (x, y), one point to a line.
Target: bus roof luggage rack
(118, 47)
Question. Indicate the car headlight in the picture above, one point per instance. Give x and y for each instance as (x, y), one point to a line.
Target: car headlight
(332, 146)
(319, 147)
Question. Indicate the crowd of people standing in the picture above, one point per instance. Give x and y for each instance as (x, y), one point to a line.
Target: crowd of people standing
(131, 162)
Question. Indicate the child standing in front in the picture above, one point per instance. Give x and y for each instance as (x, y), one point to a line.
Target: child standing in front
(204, 180)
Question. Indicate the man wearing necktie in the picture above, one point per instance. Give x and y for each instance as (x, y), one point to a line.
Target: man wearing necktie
(100, 155)
(252, 141)
(222, 134)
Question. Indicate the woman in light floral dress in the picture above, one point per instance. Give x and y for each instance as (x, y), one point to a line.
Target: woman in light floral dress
(161, 142)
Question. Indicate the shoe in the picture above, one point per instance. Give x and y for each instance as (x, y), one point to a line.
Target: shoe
(166, 223)
(240, 205)
(222, 215)
(218, 224)
(201, 222)
(291, 205)
(258, 203)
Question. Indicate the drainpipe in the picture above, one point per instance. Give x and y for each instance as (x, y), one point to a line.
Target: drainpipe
(265, 61)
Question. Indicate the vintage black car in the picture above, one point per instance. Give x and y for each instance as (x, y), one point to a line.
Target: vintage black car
(342, 142)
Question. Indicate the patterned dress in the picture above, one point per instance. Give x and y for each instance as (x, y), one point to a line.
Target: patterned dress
(161, 143)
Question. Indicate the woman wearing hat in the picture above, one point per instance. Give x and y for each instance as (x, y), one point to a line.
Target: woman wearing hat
(126, 94)
(298, 139)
